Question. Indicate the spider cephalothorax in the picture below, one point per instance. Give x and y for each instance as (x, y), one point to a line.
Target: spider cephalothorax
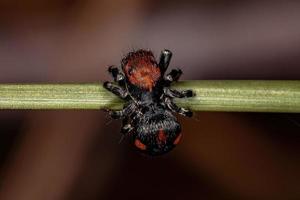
(147, 114)
(141, 69)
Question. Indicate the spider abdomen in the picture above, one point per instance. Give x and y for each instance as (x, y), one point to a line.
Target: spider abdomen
(156, 133)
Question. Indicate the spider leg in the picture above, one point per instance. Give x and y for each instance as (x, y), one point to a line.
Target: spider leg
(173, 76)
(117, 75)
(124, 113)
(164, 60)
(173, 107)
(126, 129)
(178, 94)
(115, 114)
(117, 90)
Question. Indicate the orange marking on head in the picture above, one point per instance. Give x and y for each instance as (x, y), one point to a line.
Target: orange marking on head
(142, 72)
(177, 140)
(162, 136)
(140, 145)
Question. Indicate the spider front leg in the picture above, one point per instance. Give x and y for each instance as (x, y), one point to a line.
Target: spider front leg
(117, 75)
(164, 60)
(117, 90)
(173, 107)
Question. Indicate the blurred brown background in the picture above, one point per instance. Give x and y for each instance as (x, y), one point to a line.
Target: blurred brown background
(54, 155)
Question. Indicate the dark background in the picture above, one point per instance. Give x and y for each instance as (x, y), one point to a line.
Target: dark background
(53, 155)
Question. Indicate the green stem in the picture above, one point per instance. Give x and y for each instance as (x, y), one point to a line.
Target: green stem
(242, 96)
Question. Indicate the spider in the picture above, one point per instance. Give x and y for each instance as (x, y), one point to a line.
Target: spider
(147, 115)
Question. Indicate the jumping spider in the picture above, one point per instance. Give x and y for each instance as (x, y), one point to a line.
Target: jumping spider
(147, 114)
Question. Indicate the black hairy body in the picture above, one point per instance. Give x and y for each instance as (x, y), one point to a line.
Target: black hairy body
(148, 112)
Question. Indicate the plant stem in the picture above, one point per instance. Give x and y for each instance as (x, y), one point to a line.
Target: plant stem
(242, 96)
